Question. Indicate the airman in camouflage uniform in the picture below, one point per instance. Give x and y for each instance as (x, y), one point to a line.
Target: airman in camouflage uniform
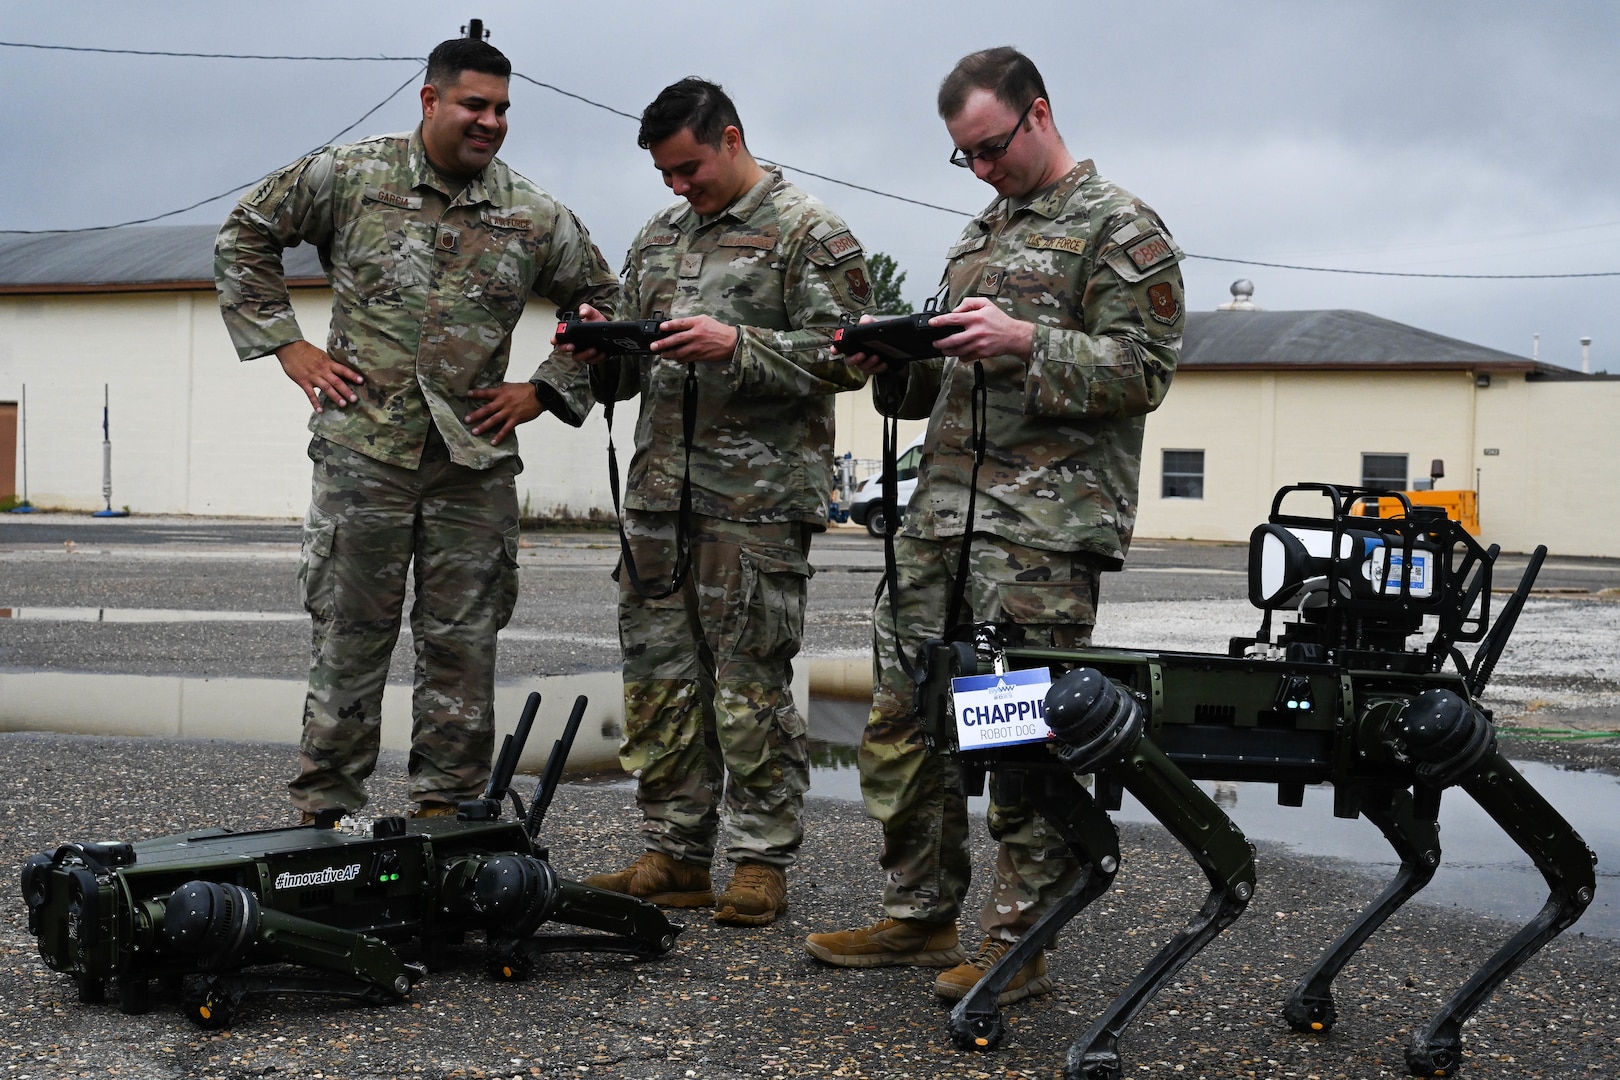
(432, 246)
(751, 275)
(1068, 294)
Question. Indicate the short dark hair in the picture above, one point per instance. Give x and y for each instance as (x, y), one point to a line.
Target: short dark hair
(1004, 71)
(694, 105)
(450, 58)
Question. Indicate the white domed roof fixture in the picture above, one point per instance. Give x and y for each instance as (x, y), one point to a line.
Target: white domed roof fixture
(1242, 297)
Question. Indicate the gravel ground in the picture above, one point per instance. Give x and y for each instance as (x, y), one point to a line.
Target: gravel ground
(732, 1002)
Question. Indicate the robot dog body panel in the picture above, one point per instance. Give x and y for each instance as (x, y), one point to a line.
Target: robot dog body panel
(1338, 699)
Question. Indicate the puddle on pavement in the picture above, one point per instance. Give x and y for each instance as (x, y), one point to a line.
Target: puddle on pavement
(271, 710)
(1480, 868)
(144, 615)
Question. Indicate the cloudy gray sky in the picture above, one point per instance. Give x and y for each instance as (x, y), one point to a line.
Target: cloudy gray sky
(1442, 137)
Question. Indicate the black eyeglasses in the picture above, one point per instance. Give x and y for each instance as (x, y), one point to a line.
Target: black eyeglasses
(965, 160)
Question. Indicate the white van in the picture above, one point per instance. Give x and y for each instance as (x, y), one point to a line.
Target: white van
(866, 506)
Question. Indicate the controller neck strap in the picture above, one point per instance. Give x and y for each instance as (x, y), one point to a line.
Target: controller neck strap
(891, 521)
(683, 519)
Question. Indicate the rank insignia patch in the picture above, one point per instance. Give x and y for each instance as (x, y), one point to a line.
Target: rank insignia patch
(990, 282)
(1162, 297)
(860, 287)
(448, 239)
(691, 264)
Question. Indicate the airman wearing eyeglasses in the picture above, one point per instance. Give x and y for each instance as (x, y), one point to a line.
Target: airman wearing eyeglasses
(1066, 291)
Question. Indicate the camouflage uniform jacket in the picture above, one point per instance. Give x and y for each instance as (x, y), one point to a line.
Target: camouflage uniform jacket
(1096, 272)
(427, 285)
(782, 268)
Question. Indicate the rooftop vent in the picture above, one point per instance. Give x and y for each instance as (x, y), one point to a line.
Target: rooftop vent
(1242, 297)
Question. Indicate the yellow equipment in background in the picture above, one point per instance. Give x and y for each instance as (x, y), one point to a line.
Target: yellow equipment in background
(1461, 506)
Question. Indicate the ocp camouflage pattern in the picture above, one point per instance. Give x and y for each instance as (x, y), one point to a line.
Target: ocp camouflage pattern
(367, 519)
(909, 776)
(707, 701)
(427, 285)
(1097, 273)
(781, 266)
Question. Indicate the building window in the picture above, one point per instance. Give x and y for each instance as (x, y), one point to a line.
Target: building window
(1384, 471)
(1183, 474)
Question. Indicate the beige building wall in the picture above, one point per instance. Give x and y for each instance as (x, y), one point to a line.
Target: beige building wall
(859, 431)
(1555, 443)
(195, 431)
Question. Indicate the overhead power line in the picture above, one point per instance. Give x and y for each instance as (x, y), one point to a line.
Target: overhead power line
(196, 55)
(769, 161)
(224, 194)
(1403, 274)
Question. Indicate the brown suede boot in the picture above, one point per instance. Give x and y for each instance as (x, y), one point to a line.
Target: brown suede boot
(891, 941)
(659, 879)
(756, 896)
(1031, 979)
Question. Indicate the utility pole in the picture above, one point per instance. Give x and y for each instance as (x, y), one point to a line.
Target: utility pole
(475, 30)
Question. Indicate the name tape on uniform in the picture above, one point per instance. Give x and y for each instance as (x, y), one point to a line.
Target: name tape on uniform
(1001, 710)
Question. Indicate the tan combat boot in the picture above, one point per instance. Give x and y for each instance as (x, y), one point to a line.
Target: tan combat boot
(891, 941)
(756, 896)
(659, 879)
(1030, 980)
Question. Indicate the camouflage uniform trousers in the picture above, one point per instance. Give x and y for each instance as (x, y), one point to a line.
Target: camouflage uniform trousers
(915, 791)
(368, 521)
(706, 688)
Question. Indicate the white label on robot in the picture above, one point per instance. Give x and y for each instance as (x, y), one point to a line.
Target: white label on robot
(1001, 710)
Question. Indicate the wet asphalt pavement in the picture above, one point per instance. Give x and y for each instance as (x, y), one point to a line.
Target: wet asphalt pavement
(732, 1002)
(727, 1002)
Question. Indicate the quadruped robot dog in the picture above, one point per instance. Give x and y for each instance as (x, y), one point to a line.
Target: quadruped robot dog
(216, 916)
(1340, 697)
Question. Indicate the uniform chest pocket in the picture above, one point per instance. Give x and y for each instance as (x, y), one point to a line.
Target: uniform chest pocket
(368, 261)
(372, 256)
(500, 255)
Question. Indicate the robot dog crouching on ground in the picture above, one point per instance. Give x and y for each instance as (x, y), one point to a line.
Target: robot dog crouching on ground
(216, 916)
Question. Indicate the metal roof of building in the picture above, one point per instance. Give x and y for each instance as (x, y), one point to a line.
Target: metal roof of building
(138, 258)
(163, 257)
(1253, 340)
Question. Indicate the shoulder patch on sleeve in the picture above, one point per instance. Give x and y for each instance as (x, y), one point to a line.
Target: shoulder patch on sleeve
(1150, 251)
(842, 246)
(834, 249)
(1140, 249)
(822, 230)
(1074, 244)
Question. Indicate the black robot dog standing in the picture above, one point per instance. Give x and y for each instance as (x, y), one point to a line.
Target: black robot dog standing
(215, 916)
(1338, 698)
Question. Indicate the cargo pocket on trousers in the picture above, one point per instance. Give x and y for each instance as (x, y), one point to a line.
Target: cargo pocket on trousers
(1060, 614)
(771, 625)
(315, 584)
(507, 586)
